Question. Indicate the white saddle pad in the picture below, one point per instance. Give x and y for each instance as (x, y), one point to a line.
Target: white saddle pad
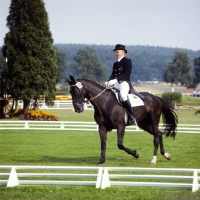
(135, 100)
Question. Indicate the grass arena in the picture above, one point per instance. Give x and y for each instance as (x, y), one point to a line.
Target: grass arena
(78, 148)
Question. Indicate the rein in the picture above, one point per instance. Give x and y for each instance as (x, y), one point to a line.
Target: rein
(92, 98)
(79, 85)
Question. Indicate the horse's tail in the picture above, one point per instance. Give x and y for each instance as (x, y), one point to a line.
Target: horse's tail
(170, 119)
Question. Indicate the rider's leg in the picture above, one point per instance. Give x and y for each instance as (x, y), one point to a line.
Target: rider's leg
(129, 109)
(124, 90)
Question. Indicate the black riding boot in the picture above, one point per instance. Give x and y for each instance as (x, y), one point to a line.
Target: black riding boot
(129, 110)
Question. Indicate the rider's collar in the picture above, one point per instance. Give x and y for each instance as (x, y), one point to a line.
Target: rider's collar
(120, 58)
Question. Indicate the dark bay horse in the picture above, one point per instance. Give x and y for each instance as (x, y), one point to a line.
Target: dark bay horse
(109, 114)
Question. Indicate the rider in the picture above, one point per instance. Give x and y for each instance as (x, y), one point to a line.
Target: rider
(120, 79)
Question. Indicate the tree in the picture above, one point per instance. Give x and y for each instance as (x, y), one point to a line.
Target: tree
(168, 75)
(197, 70)
(179, 69)
(61, 63)
(2, 63)
(31, 62)
(87, 65)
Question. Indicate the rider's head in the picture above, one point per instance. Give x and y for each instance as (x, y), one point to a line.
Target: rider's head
(120, 50)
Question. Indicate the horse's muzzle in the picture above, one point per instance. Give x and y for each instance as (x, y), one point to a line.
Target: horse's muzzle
(78, 108)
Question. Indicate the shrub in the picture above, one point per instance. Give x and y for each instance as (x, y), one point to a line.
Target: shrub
(172, 97)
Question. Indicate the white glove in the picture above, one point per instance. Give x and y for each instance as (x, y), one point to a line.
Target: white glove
(111, 83)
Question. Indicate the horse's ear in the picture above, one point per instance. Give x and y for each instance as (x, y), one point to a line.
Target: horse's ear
(71, 81)
(72, 78)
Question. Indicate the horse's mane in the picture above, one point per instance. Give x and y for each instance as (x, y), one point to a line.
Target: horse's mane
(92, 82)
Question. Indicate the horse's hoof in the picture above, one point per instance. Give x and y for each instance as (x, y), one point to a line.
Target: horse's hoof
(136, 154)
(169, 157)
(101, 163)
(152, 163)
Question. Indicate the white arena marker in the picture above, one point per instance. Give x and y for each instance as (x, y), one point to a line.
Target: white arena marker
(13, 179)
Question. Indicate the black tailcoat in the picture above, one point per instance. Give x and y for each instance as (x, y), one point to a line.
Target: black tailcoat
(122, 70)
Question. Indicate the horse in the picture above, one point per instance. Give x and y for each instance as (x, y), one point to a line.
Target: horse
(109, 114)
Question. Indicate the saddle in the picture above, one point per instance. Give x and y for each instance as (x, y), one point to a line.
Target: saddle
(135, 100)
(136, 93)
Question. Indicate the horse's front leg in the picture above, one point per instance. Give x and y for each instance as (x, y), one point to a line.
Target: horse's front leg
(103, 137)
(120, 138)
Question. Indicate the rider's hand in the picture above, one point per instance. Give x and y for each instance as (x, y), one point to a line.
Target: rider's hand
(112, 82)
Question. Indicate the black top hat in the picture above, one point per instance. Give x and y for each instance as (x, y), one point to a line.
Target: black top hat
(120, 47)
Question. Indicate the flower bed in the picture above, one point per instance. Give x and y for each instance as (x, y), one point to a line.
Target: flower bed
(35, 115)
(41, 116)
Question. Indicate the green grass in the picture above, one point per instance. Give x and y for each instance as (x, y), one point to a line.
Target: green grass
(90, 193)
(76, 148)
(190, 100)
(33, 147)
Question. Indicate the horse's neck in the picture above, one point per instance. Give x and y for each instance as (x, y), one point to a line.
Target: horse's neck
(94, 92)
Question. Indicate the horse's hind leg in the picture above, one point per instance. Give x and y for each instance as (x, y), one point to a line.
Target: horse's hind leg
(120, 138)
(162, 150)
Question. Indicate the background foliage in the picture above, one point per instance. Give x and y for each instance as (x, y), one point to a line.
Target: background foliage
(148, 61)
(87, 65)
(179, 69)
(172, 97)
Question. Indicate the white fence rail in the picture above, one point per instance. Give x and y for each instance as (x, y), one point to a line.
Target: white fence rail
(61, 104)
(14, 178)
(190, 179)
(102, 178)
(79, 126)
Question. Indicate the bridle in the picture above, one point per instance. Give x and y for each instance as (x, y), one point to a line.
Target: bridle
(81, 100)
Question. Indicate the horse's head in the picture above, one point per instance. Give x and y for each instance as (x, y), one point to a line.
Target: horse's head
(77, 94)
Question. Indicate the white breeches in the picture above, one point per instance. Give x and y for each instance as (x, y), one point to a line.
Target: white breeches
(124, 88)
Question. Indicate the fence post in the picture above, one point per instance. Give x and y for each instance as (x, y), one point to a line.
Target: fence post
(99, 177)
(105, 180)
(26, 125)
(13, 179)
(195, 185)
(62, 126)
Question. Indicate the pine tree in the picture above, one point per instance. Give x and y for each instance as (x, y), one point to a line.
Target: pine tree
(2, 63)
(31, 62)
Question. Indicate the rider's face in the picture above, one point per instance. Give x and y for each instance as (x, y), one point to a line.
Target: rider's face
(119, 53)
